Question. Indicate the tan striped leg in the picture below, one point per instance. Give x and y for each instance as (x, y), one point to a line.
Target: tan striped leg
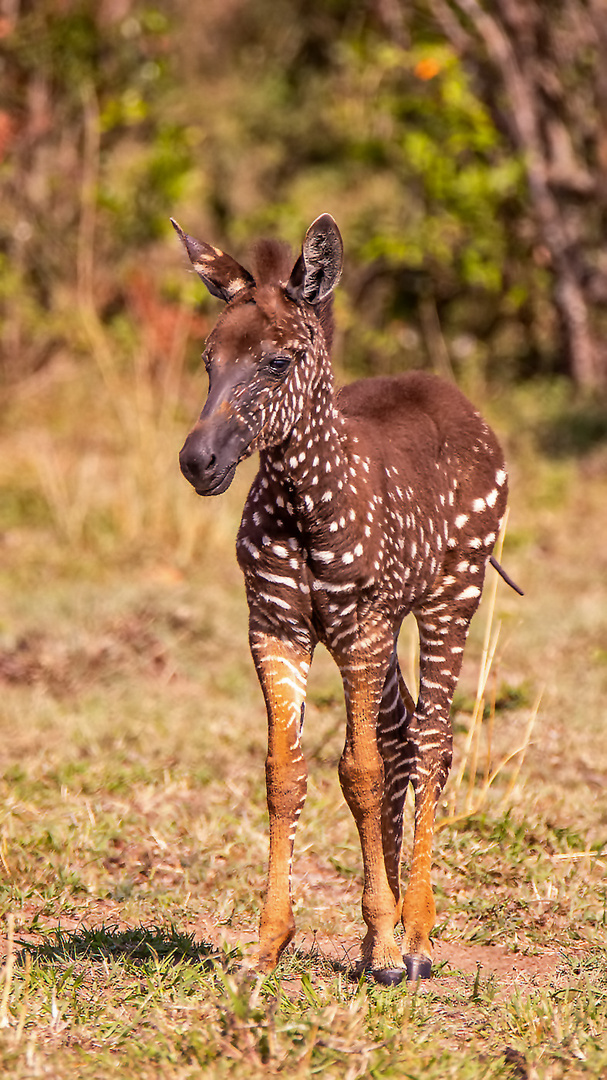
(361, 775)
(418, 910)
(282, 668)
(442, 639)
(398, 755)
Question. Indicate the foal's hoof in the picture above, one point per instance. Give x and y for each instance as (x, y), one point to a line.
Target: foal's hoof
(388, 976)
(417, 966)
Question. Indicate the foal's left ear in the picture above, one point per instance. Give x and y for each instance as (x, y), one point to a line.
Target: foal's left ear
(222, 275)
(318, 268)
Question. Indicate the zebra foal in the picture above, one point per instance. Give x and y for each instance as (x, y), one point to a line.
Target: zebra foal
(373, 501)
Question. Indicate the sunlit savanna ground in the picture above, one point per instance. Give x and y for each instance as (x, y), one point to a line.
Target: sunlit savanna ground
(133, 829)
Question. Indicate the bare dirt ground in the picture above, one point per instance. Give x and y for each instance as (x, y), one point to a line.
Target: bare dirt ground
(456, 964)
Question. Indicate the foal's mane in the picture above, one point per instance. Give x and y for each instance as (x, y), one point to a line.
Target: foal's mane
(272, 262)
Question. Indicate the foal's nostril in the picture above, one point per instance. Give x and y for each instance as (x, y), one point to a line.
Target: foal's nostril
(196, 461)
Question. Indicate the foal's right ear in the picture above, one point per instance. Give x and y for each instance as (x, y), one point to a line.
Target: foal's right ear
(318, 268)
(222, 275)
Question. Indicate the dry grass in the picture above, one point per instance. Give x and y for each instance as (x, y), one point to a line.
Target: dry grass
(468, 789)
(133, 828)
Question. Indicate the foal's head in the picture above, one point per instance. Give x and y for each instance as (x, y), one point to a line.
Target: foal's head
(265, 353)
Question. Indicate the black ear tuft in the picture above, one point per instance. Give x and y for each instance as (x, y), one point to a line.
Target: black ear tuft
(319, 267)
(222, 275)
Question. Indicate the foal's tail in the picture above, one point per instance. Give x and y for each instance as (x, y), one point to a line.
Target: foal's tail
(505, 576)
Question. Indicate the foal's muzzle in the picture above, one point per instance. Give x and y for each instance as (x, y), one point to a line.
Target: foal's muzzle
(211, 452)
(208, 470)
(205, 473)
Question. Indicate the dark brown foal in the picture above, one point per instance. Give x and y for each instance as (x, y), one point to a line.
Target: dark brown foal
(373, 501)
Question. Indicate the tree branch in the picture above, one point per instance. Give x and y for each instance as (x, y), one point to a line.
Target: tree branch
(523, 119)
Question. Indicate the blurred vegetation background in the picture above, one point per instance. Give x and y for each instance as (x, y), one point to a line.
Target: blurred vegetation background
(461, 147)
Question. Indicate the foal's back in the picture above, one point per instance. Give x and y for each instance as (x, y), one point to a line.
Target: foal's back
(432, 457)
(421, 419)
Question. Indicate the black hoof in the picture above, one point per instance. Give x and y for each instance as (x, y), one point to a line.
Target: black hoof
(417, 966)
(388, 976)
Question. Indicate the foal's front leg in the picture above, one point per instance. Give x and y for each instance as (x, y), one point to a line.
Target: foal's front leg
(282, 668)
(361, 773)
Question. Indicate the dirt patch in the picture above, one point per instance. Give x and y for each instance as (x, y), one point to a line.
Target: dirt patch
(123, 645)
(457, 965)
(495, 959)
(452, 960)
(509, 969)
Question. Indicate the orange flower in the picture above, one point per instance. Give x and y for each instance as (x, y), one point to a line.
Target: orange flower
(427, 69)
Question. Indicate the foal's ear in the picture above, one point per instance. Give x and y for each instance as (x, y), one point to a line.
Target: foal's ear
(222, 275)
(318, 268)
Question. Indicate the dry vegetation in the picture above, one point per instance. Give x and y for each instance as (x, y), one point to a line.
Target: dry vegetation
(133, 828)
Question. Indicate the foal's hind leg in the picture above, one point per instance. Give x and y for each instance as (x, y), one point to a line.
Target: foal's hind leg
(398, 755)
(443, 626)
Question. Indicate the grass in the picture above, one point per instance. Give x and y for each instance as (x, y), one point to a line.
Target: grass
(133, 830)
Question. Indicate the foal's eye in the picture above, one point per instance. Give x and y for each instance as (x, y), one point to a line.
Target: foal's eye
(278, 363)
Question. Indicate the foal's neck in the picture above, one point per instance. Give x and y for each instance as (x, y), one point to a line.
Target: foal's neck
(320, 469)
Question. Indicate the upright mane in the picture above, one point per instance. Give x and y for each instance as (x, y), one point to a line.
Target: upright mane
(272, 262)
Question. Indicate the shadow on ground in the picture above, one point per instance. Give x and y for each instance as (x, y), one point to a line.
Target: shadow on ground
(138, 944)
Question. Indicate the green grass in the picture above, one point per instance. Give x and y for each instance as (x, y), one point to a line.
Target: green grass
(133, 831)
(150, 1003)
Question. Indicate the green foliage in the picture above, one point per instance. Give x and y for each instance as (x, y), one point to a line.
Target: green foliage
(72, 49)
(425, 129)
(281, 112)
(90, 169)
(253, 118)
(137, 196)
(328, 115)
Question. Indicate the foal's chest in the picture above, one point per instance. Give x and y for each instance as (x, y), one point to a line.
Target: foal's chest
(344, 569)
